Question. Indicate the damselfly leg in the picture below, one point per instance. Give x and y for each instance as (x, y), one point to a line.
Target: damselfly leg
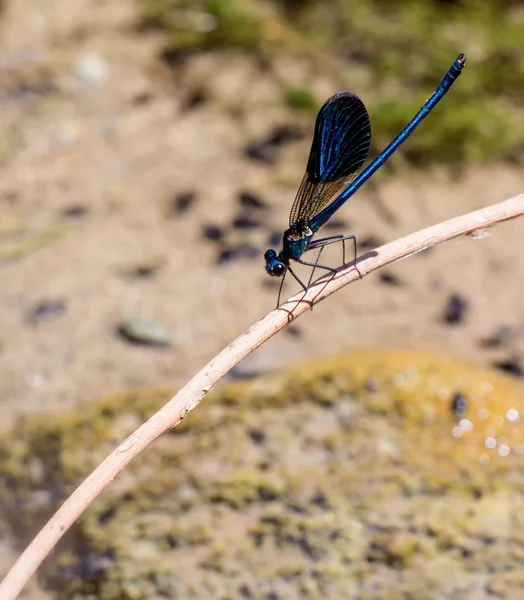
(296, 277)
(322, 243)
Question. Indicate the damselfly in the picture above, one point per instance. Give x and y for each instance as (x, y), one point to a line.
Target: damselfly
(340, 147)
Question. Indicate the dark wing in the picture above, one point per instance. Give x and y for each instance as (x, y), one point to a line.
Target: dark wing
(340, 146)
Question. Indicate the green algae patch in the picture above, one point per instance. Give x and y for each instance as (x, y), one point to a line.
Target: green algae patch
(208, 24)
(350, 477)
(300, 98)
(392, 54)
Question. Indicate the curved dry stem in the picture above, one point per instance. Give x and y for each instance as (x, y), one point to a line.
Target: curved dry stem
(170, 415)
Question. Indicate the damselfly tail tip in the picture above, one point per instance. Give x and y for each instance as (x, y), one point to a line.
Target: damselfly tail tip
(461, 59)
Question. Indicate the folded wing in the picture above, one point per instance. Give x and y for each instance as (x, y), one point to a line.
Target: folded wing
(340, 146)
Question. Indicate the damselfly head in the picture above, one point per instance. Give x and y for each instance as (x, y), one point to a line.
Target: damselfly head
(274, 266)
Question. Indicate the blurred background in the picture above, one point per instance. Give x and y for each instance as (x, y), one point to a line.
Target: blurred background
(150, 151)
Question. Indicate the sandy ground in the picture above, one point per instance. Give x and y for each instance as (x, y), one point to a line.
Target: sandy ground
(99, 139)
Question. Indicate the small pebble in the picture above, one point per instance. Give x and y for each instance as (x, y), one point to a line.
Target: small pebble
(243, 222)
(107, 515)
(142, 98)
(173, 541)
(75, 211)
(500, 335)
(459, 405)
(389, 279)
(258, 435)
(265, 150)
(92, 69)
(245, 592)
(44, 311)
(196, 97)
(285, 134)
(319, 499)
(456, 309)
(213, 233)
(183, 202)
(235, 252)
(510, 366)
(249, 200)
(143, 271)
(144, 332)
